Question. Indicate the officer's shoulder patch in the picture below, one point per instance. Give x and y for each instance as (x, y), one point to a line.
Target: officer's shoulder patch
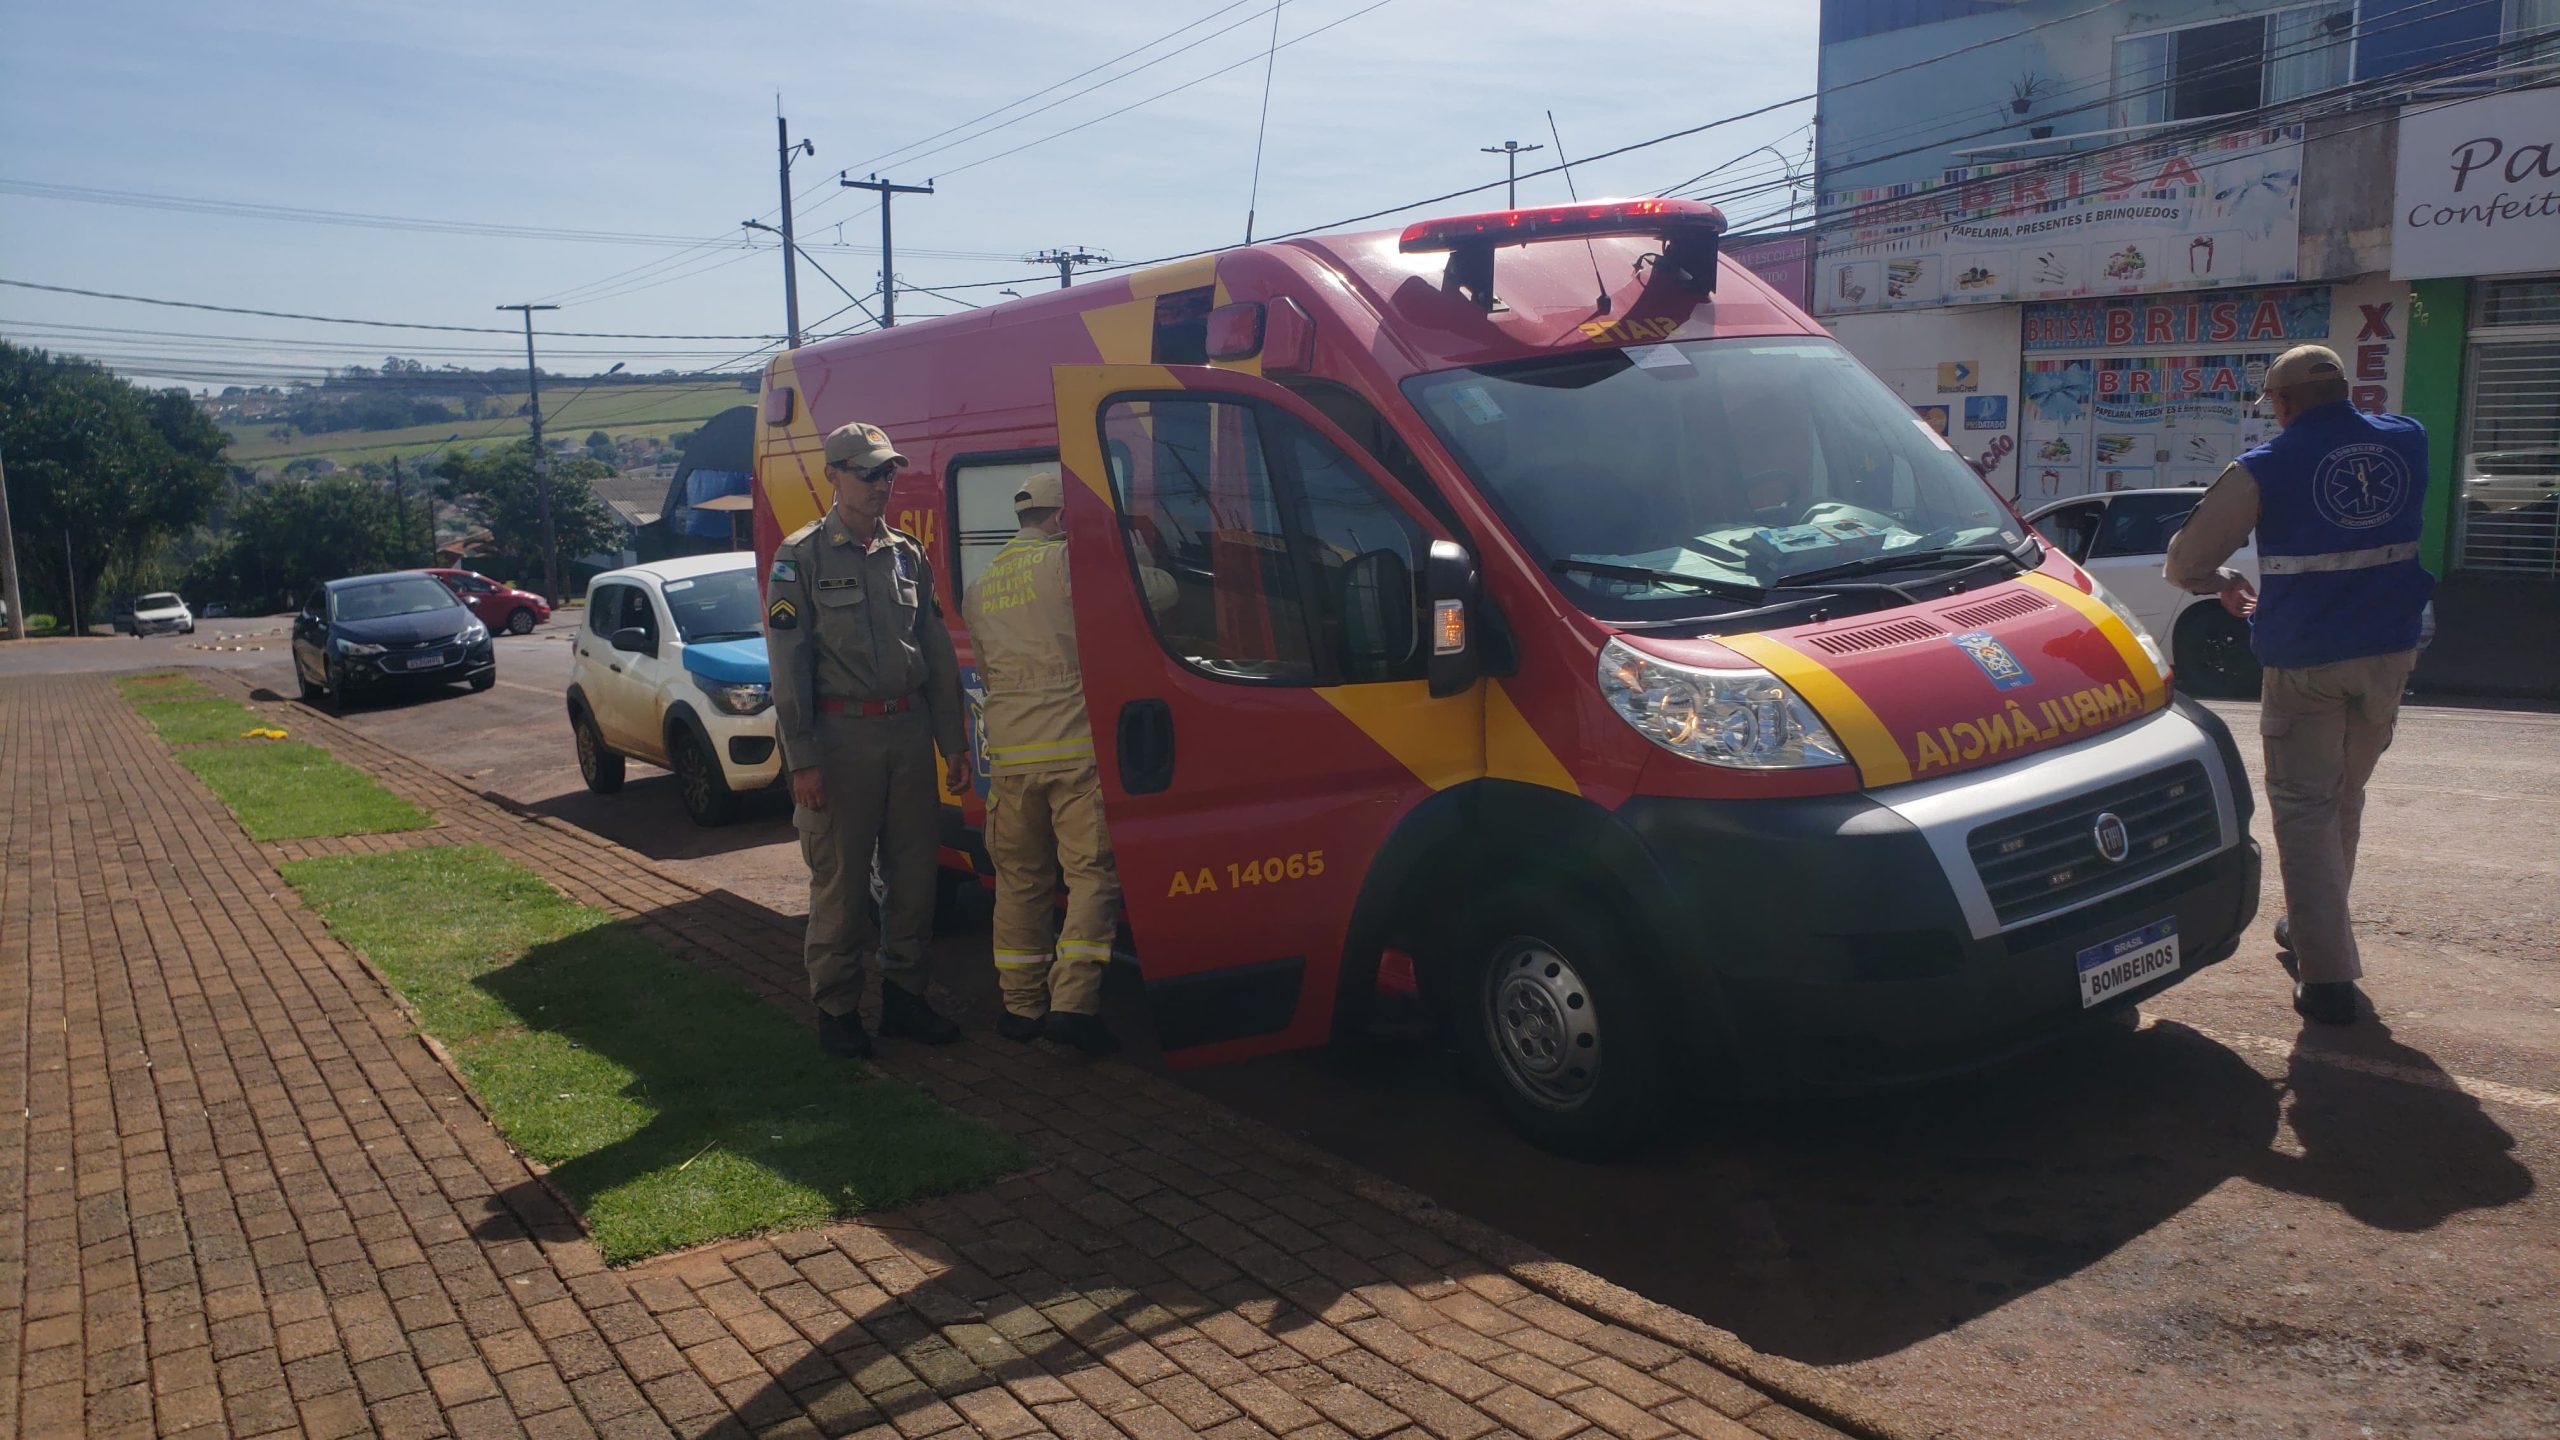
(804, 532)
(781, 614)
(784, 571)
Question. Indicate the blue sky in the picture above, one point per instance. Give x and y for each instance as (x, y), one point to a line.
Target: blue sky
(657, 119)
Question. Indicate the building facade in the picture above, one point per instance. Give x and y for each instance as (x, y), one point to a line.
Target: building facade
(2072, 237)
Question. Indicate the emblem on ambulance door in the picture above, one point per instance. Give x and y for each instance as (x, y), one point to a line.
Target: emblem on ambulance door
(2113, 843)
(2002, 667)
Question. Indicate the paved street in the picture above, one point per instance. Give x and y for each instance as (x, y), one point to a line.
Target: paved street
(2206, 1227)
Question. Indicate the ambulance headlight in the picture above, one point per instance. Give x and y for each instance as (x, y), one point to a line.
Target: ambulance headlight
(2132, 622)
(1748, 719)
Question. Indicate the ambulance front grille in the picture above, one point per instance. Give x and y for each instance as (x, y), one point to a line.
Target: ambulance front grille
(2047, 860)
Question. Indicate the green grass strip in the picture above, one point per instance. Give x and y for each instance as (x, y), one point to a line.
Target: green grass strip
(195, 722)
(162, 685)
(287, 790)
(673, 1107)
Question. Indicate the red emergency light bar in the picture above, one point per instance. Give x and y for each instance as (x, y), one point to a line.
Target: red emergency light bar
(1561, 222)
(1688, 229)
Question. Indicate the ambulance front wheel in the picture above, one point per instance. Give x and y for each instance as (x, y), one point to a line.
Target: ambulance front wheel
(1564, 1026)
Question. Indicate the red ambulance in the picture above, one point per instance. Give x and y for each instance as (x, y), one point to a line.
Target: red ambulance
(1559, 607)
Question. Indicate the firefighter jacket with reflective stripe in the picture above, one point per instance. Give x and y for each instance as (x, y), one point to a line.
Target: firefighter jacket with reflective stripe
(2341, 502)
(1021, 621)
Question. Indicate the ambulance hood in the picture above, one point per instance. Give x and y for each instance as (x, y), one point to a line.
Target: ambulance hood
(1955, 684)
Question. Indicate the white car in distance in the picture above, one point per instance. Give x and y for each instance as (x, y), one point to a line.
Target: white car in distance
(669, 668)
(2122, 538)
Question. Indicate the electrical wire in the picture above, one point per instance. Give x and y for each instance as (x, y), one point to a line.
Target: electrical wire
(342, 320)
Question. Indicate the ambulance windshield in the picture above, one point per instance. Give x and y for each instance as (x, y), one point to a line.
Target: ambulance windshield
(1704, 476)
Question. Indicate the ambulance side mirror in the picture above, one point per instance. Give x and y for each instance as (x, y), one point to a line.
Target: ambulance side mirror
(1453, 593)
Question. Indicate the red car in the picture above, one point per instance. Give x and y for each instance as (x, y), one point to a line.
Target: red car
(500, 607)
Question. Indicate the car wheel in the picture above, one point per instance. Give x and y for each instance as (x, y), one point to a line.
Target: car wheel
(707, 797)
(599, 767)
(485, 679)
(310, 693)
(2211, 648)
(334, 684)
(1563, 1026)
(520, 621)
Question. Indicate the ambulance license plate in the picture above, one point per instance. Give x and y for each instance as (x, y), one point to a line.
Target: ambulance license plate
(2118, 965)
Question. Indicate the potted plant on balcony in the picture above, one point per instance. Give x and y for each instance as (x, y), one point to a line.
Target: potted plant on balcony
(2024, 90)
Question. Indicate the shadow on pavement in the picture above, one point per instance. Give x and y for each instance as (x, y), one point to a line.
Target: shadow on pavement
(647, 815)
(1837, 1231)
(2394, 1154)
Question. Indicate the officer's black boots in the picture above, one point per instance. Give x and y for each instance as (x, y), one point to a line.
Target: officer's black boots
(908, 1016)
(1086, 1033)
(1020, 1029)
(2284, 933)
(2330, 1003)
(843, 1037)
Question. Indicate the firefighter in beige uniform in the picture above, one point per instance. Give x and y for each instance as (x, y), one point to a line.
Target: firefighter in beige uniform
(865, 688)
(1044, 793)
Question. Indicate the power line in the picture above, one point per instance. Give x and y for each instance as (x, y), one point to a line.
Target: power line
(1163, 94)
(887, 156)
(342, 320)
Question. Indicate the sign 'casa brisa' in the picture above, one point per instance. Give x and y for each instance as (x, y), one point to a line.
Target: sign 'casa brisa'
(2477, 191)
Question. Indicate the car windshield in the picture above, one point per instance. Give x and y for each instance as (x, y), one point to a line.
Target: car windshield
(384, 599)
(1701, 477)
(161, 601)
(719, 606)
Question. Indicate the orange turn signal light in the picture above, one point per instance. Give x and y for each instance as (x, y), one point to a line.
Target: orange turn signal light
(1448, 627)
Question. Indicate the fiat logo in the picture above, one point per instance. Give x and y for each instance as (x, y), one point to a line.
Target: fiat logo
(2113, 843)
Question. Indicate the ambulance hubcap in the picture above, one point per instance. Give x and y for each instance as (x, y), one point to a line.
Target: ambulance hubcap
(1546, 1032)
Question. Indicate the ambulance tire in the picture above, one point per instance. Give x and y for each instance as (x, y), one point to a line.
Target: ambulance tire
(1541, 975)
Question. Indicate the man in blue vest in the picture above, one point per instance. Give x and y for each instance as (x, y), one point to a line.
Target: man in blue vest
(2337, 500)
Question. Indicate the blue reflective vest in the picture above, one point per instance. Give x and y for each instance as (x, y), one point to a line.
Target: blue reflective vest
(2341, 502)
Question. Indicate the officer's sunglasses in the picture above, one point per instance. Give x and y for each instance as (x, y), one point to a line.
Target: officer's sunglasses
(880, 474)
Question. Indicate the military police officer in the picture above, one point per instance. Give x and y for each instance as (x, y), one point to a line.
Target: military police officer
(1044, 794)
(2338, 501)
(864, 689)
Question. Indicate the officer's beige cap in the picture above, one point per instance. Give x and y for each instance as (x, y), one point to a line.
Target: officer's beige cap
(2301, 365)
(864, 447)
(1042, 491)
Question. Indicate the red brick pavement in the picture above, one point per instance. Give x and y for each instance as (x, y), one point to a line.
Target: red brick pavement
(254, 1202)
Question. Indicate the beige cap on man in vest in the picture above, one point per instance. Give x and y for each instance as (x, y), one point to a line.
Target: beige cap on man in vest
(2301, 365)
(1042, 490)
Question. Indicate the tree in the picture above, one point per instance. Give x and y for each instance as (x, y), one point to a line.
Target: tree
(497, 491)
(102, 465)
(600, 446)
(282, 539)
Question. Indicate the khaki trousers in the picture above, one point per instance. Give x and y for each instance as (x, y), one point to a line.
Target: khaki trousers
(2325, 728)
(882, 793)
(1037, 826)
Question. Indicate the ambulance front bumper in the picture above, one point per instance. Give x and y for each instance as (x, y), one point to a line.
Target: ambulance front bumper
(1926, 929)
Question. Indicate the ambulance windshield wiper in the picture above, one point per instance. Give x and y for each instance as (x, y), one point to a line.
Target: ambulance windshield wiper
(1904, 559)
(1722, 589)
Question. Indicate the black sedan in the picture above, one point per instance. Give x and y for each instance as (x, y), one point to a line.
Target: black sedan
(377, 632)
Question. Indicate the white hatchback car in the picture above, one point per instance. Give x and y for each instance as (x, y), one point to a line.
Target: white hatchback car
(158, 613)
(2122, 538)
(670, 668)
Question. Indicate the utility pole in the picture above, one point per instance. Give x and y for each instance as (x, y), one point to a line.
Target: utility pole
(1510, 151)
(1066, 260)
(400, 505)
(9, 563)
(541, 461)
(790, 254)
(71, 584)
(888, 267)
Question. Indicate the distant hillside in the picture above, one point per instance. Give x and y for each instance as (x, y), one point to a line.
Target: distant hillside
(644, 409)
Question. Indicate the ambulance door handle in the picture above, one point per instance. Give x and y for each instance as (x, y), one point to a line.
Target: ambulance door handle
(1146, 747)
